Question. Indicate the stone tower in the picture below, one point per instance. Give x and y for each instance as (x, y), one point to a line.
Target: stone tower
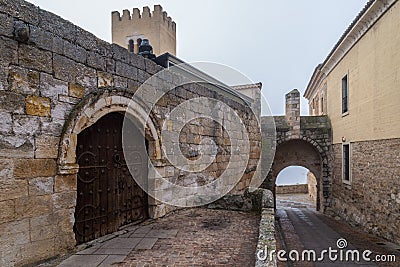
(129, 30)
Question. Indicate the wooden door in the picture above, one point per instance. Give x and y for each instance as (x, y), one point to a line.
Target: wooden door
(107, 195)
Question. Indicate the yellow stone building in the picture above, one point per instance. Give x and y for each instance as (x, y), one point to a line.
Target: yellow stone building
(358, 87)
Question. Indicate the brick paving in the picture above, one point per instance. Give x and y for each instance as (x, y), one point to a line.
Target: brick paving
(204, 238)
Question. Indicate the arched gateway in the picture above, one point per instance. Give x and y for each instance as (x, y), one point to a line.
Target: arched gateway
(303, 141)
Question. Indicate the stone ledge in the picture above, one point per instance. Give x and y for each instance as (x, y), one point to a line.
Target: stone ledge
(252, 200)
(266, 238)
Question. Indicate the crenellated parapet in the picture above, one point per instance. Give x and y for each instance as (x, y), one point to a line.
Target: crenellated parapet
(157, 15)
(130, 28)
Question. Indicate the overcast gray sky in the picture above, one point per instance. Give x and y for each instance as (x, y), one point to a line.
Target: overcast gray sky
(278, 43)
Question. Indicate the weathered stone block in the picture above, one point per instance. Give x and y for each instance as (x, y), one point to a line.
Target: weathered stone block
(142, 76)
(133, 85)
(58, 45)
(52, 126)
(42, 221)
(57, 25)
(103, 48)
(87, 77)
(61, 110)
(13, 189)
(38, 106)
(23, 81)
(6, 27)
(65, 220)
(6, 169)
(86, 39)
(7, 211)
(30, 168)
(34, 58)
(46, 147)
(64, 242)
(16, 146)
(33, 206)
(64, 200)
(35, 251)
(136, 61)
(126, 70)
(120, 54)
(74, 52)
(42, 39)
(64, 68)
(5, 122)
(12, 102)
(110, 65)
(47, 232)
(21, 10)
(51, 87)
(96, 61)
(64, 183)
(15, 233)
(41, 186)
(68, 99)
(26, 125)
(105, 80)
(120, 82)
(4, 76)
(9, 51)
(76, 90)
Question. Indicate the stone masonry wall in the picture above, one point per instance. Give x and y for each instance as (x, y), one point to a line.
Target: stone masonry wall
(312, 186)
(292, 189)
(56, 78)
(372, 201)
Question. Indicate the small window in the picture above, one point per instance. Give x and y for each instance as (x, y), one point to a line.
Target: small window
(322, 105)
(313, 107)
(346, 175)
(131, 46)
(345, 95)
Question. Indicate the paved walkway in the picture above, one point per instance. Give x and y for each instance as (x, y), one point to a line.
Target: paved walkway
(193, 237)
(304, 228)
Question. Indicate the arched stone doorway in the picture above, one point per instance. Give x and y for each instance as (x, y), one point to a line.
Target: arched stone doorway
(107, 194)
(305, 153)
(90, 110)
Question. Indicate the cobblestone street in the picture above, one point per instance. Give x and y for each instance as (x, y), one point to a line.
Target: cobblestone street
(192, 237)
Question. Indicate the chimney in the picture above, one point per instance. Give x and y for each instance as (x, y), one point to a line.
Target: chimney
(293, 111)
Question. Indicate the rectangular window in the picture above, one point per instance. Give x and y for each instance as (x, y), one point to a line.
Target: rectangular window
(346, 163)
(345, 94)
(322, 106)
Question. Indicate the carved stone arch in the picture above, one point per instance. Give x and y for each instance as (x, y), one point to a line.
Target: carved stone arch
(90, 110)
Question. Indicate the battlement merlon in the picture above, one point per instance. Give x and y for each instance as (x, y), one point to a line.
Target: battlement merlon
(158, 14)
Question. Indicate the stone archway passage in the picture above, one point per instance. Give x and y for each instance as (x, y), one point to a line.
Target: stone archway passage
(108, 197)
(299, 152)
